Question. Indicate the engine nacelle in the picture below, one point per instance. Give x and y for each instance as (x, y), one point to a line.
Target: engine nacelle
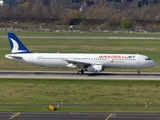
(95, 68)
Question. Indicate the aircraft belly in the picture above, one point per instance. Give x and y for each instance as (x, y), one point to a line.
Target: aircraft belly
(121, 65)
(59, 64)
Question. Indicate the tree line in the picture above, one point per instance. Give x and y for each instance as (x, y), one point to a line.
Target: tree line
(49, 10)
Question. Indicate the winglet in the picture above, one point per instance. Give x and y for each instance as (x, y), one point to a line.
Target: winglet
(16, 45)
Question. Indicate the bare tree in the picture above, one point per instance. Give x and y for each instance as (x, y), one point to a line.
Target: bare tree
(6, 11)
(36, 11)
(56, 9)
(46, 12)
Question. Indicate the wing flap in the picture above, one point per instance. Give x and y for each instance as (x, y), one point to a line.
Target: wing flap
(80, 64)
(71, 65)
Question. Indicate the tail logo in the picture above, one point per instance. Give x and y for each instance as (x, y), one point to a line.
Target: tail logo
(15, 48)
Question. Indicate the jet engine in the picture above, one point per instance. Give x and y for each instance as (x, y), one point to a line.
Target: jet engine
(95, 68)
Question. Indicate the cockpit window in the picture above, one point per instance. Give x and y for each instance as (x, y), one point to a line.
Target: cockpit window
(147, 58)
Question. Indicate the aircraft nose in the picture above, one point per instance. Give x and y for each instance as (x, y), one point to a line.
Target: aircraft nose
(153, 63)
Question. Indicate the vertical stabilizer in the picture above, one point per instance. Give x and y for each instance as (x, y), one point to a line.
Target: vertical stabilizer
(16, 45)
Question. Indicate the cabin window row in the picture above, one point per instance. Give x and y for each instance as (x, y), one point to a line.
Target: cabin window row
(85, 58)
(124, 59)
(54, 58)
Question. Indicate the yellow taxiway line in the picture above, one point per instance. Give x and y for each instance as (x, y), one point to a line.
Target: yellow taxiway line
(14, 116)
(108, 117)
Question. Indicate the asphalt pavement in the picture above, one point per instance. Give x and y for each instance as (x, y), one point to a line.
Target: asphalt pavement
(74, 76)
(77, 116)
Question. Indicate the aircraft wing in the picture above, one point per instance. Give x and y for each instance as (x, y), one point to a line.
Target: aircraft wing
(74, 63)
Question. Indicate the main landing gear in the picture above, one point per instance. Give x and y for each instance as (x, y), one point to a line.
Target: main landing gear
(138, 71)
(80, 71)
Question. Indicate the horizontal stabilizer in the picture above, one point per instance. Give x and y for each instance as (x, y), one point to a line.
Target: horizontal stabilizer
(13, 56)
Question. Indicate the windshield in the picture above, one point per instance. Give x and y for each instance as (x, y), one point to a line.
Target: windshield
(147, 58)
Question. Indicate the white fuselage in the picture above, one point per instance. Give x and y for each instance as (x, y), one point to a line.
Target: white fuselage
(106, 60)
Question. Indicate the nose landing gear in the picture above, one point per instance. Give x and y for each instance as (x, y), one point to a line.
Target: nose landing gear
(138, 71)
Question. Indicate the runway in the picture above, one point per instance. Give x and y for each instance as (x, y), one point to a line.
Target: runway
(74, 76)
(77, 116)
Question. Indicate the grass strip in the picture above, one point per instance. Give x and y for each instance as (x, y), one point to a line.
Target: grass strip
(79, 95)
(40, 33)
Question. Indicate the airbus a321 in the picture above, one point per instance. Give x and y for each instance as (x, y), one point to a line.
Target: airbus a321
(84, 62)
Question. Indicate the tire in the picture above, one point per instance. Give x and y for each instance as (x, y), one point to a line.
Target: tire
(80, 72)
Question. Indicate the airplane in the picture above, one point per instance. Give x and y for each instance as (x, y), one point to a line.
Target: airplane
(85, 62)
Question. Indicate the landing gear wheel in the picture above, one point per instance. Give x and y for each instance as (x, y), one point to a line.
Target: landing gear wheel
(138, 71)
(80, 72)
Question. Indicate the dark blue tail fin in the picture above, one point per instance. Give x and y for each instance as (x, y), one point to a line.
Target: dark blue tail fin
(16, 45)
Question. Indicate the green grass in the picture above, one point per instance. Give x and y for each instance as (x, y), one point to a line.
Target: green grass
(31, 33)
(79, 95)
